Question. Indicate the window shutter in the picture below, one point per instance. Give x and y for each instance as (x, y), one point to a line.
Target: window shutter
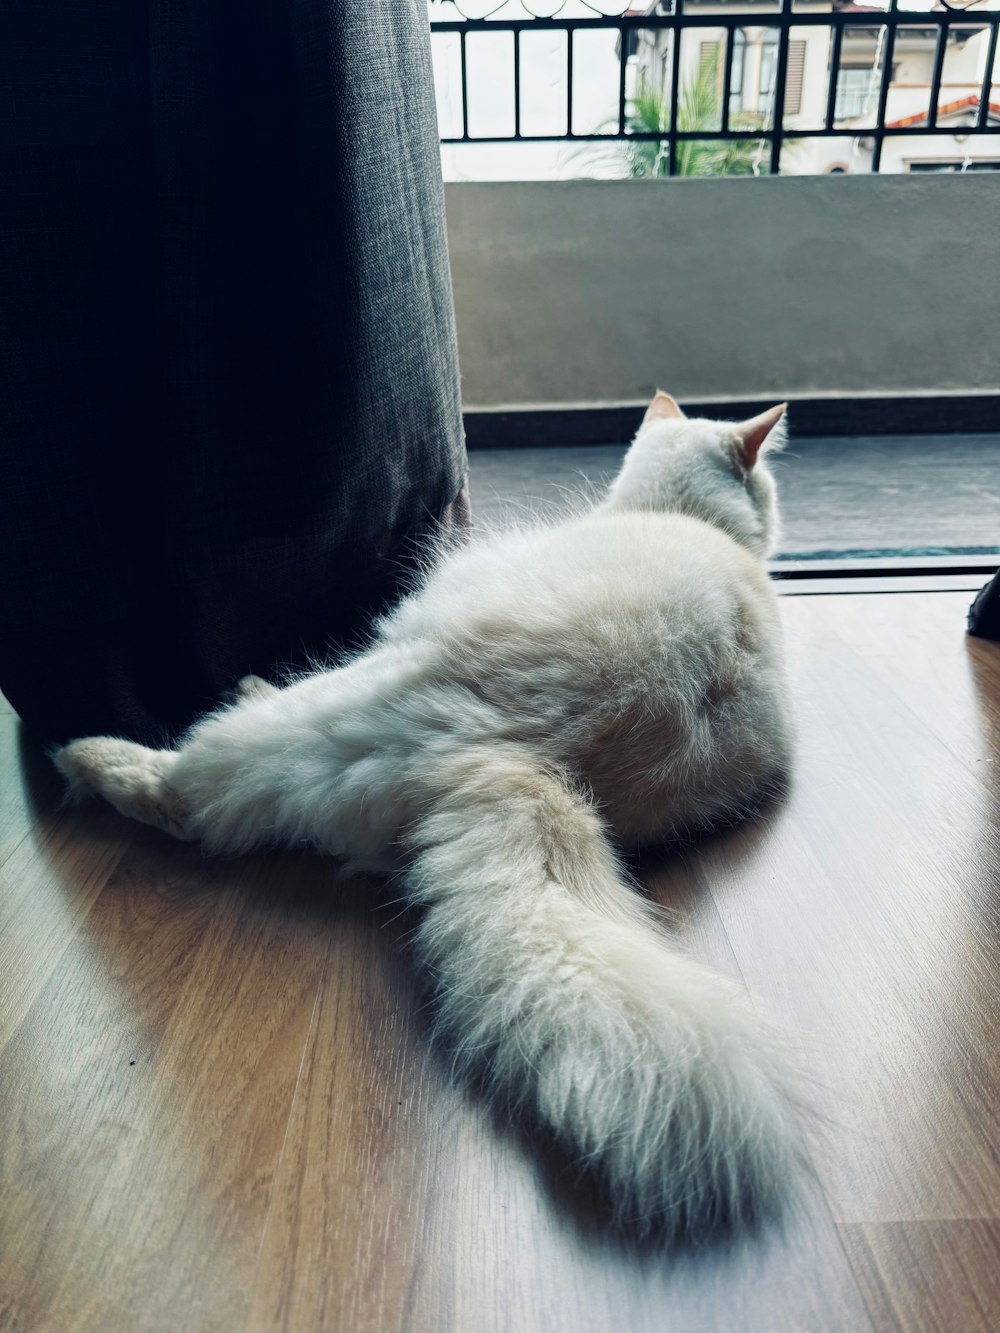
(708, 60)
(793, 77)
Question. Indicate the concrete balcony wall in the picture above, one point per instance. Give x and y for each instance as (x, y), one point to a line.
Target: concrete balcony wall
(585, 292)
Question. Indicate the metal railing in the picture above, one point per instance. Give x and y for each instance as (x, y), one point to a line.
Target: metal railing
(770, 130)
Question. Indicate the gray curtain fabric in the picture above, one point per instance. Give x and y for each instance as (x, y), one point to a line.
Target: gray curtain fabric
(229, 399)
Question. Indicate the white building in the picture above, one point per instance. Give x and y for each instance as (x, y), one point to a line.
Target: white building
(810, 48)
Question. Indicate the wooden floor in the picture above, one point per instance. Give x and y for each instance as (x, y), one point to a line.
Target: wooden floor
(218, 1109)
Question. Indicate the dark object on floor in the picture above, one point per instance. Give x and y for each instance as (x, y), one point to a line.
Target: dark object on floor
(984, 613)
(228, 380)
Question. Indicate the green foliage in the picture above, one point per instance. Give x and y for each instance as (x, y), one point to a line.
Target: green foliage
(698, 108)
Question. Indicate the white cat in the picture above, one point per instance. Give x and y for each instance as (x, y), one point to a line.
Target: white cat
(618, 673)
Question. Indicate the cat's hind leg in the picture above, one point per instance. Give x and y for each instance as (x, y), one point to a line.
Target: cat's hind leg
(131, 777)
(136, 779)
(305, 765)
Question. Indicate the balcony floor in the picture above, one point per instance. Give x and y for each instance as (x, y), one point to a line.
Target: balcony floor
(877, 493)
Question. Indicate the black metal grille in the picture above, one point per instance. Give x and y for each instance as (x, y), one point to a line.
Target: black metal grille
(770, 129)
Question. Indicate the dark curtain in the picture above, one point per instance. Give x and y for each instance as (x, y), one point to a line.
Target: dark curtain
(984, 614)
(229, 401)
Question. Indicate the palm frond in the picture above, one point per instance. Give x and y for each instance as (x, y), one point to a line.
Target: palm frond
(698, 108)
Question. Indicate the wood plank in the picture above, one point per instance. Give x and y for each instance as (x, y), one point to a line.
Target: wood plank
(929, 1277)
(353, 1184)
(24, 791)
(919, 649)
(146, 1094)
(865, 911)
(48, 885)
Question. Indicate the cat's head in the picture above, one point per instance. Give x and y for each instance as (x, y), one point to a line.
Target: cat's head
(712, 470)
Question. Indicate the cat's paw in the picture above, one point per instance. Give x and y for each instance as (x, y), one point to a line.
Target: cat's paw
(253, 687)
(130, 777)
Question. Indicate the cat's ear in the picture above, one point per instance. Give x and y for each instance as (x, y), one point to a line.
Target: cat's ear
(662, 408)
(753, 434)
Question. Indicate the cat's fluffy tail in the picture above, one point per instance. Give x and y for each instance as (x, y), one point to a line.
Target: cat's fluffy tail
(556, 992)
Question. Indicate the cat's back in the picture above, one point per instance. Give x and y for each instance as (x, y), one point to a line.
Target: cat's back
(608, 611)
(603, 568)
(639, 649)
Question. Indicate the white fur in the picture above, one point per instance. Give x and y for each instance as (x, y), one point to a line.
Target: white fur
(620, 673)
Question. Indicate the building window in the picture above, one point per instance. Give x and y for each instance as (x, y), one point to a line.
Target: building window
(768, 68)
(737, 72)
(984, 164)
(751, 83)
(854, 89)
